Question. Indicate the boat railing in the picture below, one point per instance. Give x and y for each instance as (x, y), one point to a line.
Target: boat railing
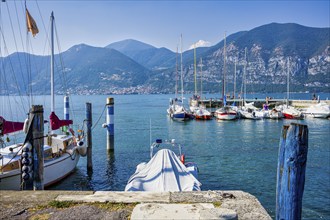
(164, 144)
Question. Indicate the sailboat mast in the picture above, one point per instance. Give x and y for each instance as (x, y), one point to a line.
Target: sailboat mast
(244, 78)
(201, 65)
(288, 83)
(181, 71)
(52, 106)
(224, 71)
(176, 73)
(235, 79)
(195, 69)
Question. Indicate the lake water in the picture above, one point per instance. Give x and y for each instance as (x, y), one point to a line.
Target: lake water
(231, 155)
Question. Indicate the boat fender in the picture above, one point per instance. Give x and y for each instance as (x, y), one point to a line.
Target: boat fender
(26, 126)
(182, 158)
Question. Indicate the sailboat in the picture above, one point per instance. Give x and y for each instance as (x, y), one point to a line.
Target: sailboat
(199, 111)
(176, 109)
(226, 112)
(61, 152)
(290, 112)
(248, 110)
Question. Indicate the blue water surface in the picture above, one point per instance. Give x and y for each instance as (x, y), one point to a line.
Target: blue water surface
(231, 155)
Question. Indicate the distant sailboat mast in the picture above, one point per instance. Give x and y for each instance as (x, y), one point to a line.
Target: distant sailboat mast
(201, 66)
(176, 73)
(288, 84)
(181, 71)
(224, 72)
(244, 78)
(195, 69)
(235, 79)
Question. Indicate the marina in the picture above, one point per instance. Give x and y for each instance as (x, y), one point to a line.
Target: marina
(125, 139)
(231, 155)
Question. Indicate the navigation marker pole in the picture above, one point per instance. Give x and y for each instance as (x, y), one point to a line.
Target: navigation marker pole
(110, 124)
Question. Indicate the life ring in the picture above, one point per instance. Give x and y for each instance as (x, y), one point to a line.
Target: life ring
(182, 158)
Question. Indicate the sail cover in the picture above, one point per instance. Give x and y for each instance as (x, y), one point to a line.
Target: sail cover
(163, 173)
(7, 127)
(56, 123)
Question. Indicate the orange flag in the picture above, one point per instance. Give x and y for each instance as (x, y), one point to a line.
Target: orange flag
(31, 24)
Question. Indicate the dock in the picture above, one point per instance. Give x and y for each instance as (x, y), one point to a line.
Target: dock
(130, 205)
(214, 103)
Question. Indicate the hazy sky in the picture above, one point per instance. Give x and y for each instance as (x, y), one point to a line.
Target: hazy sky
(159, 23)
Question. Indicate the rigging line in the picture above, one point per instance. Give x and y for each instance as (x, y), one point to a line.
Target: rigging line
(19, 26)
(15, 42)
(62, 69)
(23, 47)
(99, 117)
(14, 38)
(11, 68)
(61, 60)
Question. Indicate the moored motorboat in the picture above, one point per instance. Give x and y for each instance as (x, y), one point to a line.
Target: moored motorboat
(201, 113)
(249, 111)
(275, 114)
(289, 112)
(166, 171)
(226, 113)
(320, 110)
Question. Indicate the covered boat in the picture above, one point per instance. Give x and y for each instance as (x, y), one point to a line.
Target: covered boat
(165, 172)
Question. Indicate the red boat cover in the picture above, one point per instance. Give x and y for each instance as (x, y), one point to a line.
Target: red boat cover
(7, 127)
(56, 123)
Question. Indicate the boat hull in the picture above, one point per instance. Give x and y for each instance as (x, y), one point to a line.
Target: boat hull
(54, 170)
(225, 115)
(291, 116)
(203, 117)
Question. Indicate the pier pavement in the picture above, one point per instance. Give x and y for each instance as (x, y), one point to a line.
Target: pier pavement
(130, 205)
(214, 103)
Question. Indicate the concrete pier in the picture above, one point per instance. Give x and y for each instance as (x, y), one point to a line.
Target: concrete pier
(130, 205)
(214, 103)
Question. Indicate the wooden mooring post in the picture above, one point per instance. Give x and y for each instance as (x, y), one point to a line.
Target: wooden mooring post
(38, 146)
(32, 157)
(89, 136)
(291, 169)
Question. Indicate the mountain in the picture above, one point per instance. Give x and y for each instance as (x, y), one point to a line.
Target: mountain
(87, 70)
(145, 54)
(132, 66)
(269, 49)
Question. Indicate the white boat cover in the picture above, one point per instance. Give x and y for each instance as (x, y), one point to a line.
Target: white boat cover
(163, 173)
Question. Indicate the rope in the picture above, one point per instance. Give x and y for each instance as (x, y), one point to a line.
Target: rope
(99, 118)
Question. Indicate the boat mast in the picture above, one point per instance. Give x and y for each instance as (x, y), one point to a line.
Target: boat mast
(201, 65)
(288, 84)
(181, 71)
(244, 78)
(224, 71)
(176, 73)
(235, 79)
(195, 69)
(52, 106)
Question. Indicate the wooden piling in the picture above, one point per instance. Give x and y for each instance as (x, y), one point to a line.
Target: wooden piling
(291, 168)
(37, 113)
(89, 136)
